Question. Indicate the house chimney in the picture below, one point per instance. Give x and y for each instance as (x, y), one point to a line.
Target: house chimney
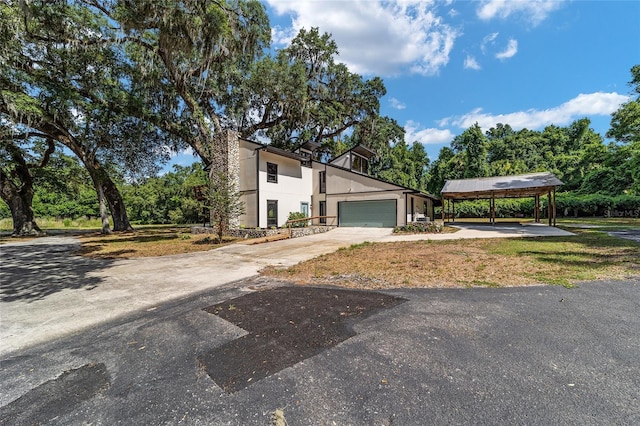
(226, 162)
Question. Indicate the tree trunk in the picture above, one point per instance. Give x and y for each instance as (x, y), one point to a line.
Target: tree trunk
(103, 212)
(104, 184)
(19, 201)
(99, 175)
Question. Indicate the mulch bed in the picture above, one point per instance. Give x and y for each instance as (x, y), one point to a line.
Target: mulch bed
(285, 325)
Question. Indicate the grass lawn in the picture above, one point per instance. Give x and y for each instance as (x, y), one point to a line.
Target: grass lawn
(571, 222)
(600, 222)
(144, 241)
(499, 262)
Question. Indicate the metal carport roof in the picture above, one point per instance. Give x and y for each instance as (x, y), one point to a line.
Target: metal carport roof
(516, 186)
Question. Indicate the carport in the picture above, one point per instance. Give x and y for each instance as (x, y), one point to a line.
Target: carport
(516, 186)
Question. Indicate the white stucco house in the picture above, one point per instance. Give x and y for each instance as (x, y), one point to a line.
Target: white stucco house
(273, 182)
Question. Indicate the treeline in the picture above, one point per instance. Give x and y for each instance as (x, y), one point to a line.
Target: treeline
(599, 179)
(576, 154)
(63, 190)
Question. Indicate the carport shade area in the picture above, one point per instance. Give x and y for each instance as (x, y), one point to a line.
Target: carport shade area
(516, 186)
(371, 213)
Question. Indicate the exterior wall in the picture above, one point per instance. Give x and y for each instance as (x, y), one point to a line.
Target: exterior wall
(418, 207)
(343, 161)
(343, 185)
(294, 186)
(248, 165)
(248, 161)
(250, 217)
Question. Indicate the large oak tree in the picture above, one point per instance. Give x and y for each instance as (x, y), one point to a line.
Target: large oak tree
(58, 78)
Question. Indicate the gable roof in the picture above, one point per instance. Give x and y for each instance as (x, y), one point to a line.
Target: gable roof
(400, 187)
(359, 149)
(515, 186)
(282, 152)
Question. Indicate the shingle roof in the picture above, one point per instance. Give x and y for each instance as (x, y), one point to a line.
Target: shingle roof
(501, 186)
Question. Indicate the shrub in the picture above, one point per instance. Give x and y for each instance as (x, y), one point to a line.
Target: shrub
(420, 228)
(297, 216)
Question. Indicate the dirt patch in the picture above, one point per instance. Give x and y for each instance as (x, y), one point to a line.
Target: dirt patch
(495, 262)
(285, 325)
(147, 242)
(410, 264)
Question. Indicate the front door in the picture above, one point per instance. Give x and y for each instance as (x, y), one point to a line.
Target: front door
(272, 213)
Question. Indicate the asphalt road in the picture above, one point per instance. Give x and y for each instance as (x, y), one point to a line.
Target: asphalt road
(535, 356)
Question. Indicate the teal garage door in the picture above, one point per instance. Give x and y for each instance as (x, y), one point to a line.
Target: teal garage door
(374, 214)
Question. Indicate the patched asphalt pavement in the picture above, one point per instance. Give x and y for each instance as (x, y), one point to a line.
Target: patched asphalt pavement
(534, 355)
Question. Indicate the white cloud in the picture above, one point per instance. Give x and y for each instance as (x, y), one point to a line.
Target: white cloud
(488, 39)
(397, 104)
(583, 105)
(413, 133)
(184, 152)
(282, 36)
(375, 37)
(533, 11)
(510, 51)
(471, 63)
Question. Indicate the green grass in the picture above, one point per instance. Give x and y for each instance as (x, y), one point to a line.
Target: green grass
(601, 222)
(53, 224)
(575, 258)
(61, 224)
(570, 222)
(497, 262)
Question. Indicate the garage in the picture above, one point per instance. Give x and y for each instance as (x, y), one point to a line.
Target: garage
(373, 214)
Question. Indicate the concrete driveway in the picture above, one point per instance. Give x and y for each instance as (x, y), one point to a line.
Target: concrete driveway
(47, 292)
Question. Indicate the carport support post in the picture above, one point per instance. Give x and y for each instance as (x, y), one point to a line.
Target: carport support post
(453, 204)
(549, 208)
(536, 212)
(492, 209)
(555, 213)
(442, 210)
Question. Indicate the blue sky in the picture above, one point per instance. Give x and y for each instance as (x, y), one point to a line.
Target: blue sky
(448, 64)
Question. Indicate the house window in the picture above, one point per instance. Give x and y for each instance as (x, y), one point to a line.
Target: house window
(272, 213)
(323, 182)
(272, 173)
(359, 164)
(304, 209)
(323, 211)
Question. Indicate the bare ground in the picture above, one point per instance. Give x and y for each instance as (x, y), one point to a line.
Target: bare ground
(466, 263)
